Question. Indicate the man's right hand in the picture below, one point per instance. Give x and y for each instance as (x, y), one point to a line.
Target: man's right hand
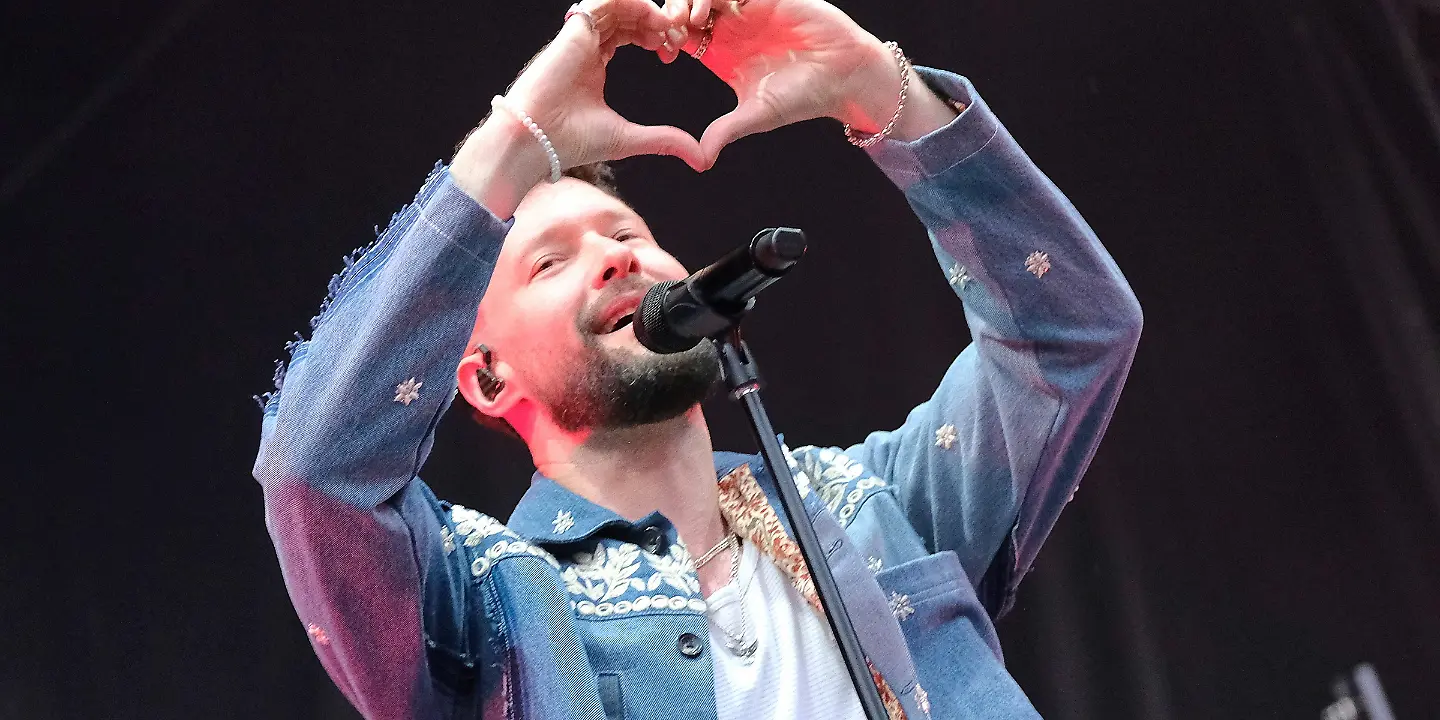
(563, 91)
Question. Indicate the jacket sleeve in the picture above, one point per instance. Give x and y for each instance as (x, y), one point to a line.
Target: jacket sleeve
(985, 465)
(365, 549)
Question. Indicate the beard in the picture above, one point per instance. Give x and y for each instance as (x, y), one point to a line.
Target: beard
(616, 389)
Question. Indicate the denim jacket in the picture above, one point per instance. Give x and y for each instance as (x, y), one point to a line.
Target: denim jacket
(420, 608)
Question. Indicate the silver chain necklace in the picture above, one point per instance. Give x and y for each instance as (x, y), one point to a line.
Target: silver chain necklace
(733, 642)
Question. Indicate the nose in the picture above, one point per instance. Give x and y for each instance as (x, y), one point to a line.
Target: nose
(617, 261)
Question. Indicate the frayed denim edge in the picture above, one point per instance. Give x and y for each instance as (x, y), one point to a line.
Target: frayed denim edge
(340, 283)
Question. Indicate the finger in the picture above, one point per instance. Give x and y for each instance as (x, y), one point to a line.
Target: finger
(648, 39)
(668, 53)
(607, 53)
(700, 13)
(613, 15)
(654, 17)
(680, 24)
(677, 12)
(640, 37)
(660, 140)
(675, 39)
(749, 117)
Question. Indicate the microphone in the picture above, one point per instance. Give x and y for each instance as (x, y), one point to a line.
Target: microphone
(676, 315)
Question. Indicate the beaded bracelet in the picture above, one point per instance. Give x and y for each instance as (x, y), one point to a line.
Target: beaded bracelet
(862, 140)
(499, 103)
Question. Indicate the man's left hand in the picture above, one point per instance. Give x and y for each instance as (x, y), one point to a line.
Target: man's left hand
(794, 60)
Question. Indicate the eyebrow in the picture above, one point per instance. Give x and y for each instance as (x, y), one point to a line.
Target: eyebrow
(548, 236)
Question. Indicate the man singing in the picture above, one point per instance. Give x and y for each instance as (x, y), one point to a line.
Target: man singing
(644, 575)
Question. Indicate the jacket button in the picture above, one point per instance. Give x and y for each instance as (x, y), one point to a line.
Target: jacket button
(690, 645)
(650, 540)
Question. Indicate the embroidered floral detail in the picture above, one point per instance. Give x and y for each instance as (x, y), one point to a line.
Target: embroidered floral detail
(317, 632)
(922, 699)
(959, 276)
(508, 548)
(447, 539)
(874, 563)
(563, 521)
(407, 392)
(893, 708)
(605, 573)
(945, 436)
(900, 605)
(674, 569)
(802, 481)
(744, 506)
(476, 527)
(841, 481)
(609, 573)
(1037, 264)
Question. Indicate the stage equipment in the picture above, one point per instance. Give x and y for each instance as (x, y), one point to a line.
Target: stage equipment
(677, 314)
(674, 317)
(1358, 696)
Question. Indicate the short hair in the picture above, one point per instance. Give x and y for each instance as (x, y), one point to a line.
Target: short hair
(599, 174)
(602, 176)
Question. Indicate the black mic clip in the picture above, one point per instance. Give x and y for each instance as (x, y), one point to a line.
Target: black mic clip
(677, 314)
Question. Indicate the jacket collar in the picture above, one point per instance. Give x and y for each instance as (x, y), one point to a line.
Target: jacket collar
(551, 514)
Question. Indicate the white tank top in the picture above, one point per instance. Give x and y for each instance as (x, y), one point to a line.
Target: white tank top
(796, 672)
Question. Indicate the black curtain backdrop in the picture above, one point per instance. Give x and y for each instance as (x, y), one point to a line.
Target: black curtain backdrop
(178, 179)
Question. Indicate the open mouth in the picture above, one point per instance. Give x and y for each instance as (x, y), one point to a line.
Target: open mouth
(620, 322)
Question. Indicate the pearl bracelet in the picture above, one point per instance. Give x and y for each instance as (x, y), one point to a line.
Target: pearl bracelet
(866, 141)
(499, 103)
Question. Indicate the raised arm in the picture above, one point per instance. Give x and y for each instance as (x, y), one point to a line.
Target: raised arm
(984, 467)
(367, 552)
(987, 463)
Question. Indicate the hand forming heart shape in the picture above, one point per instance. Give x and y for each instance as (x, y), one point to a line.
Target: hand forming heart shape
(786, 61)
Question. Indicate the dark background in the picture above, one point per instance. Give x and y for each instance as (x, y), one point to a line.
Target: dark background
(179, 179)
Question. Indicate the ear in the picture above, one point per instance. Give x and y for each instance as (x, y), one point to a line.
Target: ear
(467, 377)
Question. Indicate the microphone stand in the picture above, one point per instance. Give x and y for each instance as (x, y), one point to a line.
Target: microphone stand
(743, 379)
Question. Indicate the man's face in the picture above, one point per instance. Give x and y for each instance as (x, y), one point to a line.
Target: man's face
(571, 274)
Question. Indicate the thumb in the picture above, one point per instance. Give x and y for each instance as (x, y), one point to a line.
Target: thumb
(749, 117)
(660, 140)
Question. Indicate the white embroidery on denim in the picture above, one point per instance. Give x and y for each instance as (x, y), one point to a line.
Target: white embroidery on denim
(447, 539)
(922, 699)
(802, 481)
(563, 521)
(639, 604)
(959, 276)
(509, 548)
(1038, 263)
(945, 436)
(842, 482)
(874, 563)
(475, 526)
(605, 573)
(900, 605)
(618, 578)
(408, 391)
(674, 568)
